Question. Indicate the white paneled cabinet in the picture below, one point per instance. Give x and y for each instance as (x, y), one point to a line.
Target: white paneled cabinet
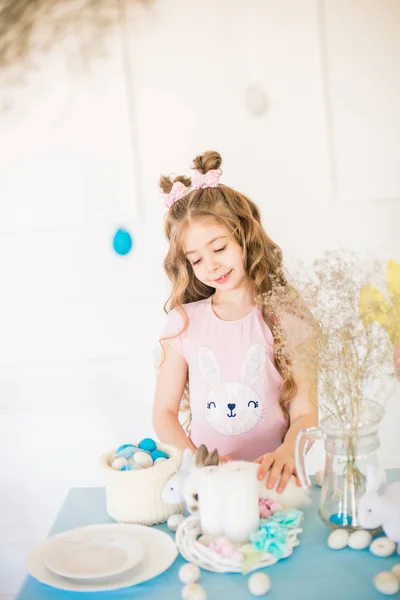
(362, 74)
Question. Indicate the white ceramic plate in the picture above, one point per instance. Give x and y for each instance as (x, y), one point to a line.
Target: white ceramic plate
(159, 554)
(95, 552)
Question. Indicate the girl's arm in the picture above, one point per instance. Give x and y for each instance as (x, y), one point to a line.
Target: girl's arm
(303, 409)
(171, 380)
(303, 412)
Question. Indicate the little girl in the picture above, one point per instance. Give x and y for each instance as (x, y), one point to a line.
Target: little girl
(220, 341)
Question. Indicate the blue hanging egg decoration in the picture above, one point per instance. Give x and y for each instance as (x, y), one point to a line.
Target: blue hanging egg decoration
(122, 242)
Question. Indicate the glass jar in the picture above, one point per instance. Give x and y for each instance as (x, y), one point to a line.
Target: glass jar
(351, 450)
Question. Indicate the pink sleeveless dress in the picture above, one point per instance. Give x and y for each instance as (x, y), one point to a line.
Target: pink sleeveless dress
(233, 382)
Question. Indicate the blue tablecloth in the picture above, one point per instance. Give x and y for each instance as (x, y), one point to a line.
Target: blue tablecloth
(313, 571)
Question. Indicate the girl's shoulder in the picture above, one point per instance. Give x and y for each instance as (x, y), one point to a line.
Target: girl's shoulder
(193, 310)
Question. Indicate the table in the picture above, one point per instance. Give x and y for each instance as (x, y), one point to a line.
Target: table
(312, 572)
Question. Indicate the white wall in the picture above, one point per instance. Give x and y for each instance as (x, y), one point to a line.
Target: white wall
(78, 323)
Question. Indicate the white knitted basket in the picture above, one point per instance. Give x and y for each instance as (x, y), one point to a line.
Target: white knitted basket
(135, 496)
(193, 551)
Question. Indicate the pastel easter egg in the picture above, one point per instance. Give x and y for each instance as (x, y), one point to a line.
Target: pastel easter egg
(118, 463)
(143, 459)
(189, 573)
(259, 584)
(159, 460)
(319, 478)
(396, 571)
(256, 100)
(194, 591)
(338, 539)
(147, 444)
(359, 540)
(382, 546)
(122, 242)
(126, 450)
(159, 454)
(386, 583)
(173, 523)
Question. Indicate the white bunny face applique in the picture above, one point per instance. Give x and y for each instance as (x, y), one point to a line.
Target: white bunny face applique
(233, 407)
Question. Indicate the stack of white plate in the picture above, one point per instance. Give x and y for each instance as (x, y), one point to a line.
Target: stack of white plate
(102, 557)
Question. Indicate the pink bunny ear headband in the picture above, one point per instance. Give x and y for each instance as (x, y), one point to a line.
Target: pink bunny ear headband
(199, 181)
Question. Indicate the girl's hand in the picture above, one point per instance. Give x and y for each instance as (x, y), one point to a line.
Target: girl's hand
(282, 465)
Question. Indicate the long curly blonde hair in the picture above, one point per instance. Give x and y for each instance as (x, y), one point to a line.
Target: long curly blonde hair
(262, 258)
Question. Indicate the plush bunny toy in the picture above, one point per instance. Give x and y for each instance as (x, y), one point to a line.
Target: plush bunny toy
(172, 492)
(377, 510)
(182, 486)
(203, 458)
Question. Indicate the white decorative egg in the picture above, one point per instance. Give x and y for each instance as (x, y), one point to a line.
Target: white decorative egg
(359, 540)
(159, 460)
(319, 478)
(386, 583)
(256, 100)
(382, 547)
(174, 521)
(396, 571)
(194, 591)
(143, 459)
(338, 539)
(259, 584)
(189, 573)
(119, 462)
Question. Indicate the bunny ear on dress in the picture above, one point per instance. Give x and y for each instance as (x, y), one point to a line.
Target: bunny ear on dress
(253, 364)
(208, 366)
